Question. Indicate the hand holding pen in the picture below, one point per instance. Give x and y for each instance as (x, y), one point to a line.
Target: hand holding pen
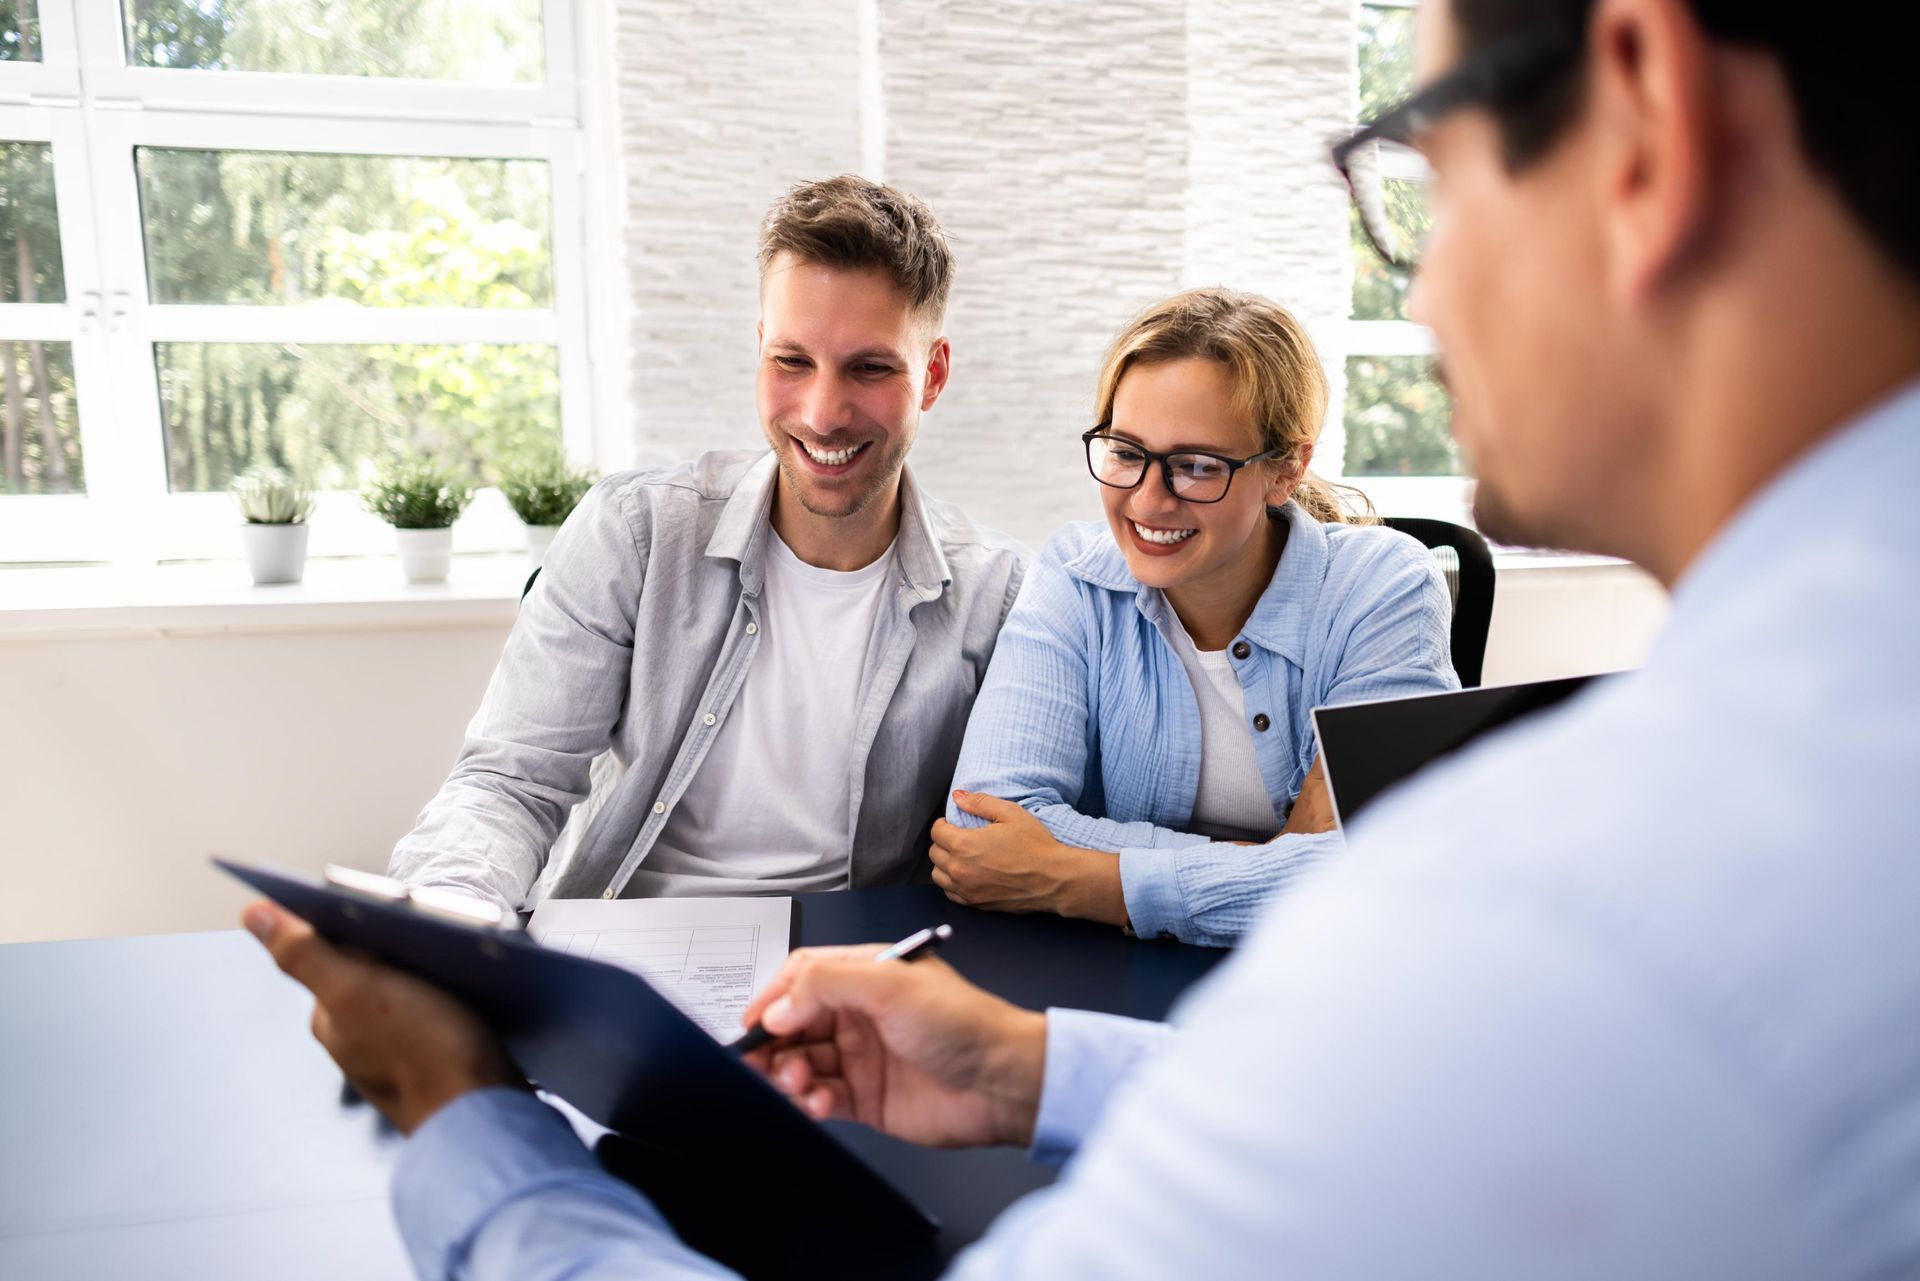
(911, 948)
(914, 1050)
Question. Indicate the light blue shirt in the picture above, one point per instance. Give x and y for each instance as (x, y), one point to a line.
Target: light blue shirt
(1629, 991)
(1089, 719)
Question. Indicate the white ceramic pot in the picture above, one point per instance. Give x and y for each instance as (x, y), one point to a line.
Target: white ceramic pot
(539, 538)
(275, 553)
(425, 554)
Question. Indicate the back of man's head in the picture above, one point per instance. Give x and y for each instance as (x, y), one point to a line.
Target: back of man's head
(852, 223)
(1845, 67)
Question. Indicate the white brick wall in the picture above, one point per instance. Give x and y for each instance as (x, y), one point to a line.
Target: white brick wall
(1087, 158)
(721, 107)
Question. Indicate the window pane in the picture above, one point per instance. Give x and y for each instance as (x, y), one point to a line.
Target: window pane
(1397, 416)
(39, 426)
(1379, 291)
(269, 227)
(328, 411)
(492, 42)
(30, 267)
(19, 31)
(1386, 57)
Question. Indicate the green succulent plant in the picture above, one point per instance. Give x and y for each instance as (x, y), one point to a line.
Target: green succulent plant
(544, 490)
(268, 496)
(417, 493)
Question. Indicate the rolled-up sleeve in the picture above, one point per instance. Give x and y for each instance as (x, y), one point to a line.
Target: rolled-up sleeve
(549, 711)
(1211, 893)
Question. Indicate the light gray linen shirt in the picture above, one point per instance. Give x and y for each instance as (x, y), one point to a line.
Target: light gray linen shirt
(634, 642)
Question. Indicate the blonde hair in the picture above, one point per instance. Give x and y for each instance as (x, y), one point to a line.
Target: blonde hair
(1278, 382)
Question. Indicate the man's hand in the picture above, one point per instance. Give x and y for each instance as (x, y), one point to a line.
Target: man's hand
(1014, 864)
(409, 1048)
(1313, 808)
(911, 1049)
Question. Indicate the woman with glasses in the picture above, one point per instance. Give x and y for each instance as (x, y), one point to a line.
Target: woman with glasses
(1141, 752)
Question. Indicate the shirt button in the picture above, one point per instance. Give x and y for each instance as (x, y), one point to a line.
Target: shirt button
(607, 893)
(709, 719)
(660, 807)
(1260, 722)
(1241, 649)
(753, 629)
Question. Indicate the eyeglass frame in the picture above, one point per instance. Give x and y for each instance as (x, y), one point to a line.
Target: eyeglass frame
(1504, 72)
(1101, 432)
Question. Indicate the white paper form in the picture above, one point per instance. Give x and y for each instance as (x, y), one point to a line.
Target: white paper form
(706, 955)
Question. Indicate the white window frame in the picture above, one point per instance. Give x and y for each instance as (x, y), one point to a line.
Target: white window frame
(112, 81)
(56, 77)
(62, 527)
(1441, 497)
(127, 516)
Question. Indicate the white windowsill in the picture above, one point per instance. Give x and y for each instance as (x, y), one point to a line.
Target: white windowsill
(1506, 560)
(218, 596)
(366, 592)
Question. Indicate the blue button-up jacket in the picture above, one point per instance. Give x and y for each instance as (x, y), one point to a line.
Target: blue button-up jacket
(1088, 719)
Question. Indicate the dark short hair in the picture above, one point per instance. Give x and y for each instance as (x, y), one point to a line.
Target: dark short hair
(1846, 68)
(849, 221)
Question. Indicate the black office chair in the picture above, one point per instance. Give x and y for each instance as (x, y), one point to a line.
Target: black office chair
(529, 587)
(1467, 566)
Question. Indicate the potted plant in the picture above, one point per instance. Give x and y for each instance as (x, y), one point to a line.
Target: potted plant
(543, 491)
(421, 500)
(273, 511)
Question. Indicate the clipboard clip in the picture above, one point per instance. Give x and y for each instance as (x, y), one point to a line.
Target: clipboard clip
(432, 900)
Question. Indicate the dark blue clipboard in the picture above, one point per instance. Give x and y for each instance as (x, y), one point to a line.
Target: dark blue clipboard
(690, 1115)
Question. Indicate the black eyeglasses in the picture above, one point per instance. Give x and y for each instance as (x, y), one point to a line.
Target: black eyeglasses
(1506, 71)
(1191, 476)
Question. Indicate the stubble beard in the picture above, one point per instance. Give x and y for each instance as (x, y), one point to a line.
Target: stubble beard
(886, 476)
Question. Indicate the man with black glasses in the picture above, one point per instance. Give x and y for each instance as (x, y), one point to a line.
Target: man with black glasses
(1633, 991)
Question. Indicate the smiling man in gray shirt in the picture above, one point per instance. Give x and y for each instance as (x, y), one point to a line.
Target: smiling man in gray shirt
(776, 651)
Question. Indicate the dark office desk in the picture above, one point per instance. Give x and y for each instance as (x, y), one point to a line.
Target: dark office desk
(167, 1114)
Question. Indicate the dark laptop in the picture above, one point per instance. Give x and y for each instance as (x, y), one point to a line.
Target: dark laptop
(1370, 747)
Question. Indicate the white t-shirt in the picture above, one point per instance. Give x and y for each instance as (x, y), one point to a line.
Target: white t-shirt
(1232, 803)
(770, 810)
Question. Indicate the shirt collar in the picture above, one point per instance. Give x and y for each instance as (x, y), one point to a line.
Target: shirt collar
(1283, 616)
(740, 533)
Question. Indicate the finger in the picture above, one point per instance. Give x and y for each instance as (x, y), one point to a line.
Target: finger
(300, 953)
(991, 808)
(797, 961)
(954, 840)
(834, 985)
(822, 1058)
(945, 881)
(798, 1070)
(944, 832)
(793, 1076)
(830, 1100)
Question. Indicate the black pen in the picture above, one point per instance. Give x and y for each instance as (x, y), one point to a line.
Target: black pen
(911, 948)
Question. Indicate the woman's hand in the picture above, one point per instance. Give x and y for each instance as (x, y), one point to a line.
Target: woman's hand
(1014, 864)
(914, 1050)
